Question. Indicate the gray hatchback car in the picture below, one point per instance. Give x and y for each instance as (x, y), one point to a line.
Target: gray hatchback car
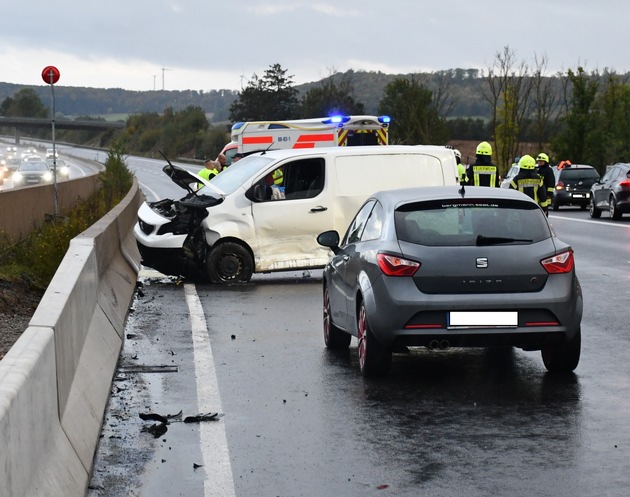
(441, 267)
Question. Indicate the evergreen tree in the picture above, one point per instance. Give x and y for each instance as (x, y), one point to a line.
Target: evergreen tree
(272, 97)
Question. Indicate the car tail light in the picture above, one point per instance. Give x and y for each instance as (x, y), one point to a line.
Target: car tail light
(625, 183)
(561, 263)
(392, 265)
(560, 185)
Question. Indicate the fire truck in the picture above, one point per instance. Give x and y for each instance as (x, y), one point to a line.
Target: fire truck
(342, 131)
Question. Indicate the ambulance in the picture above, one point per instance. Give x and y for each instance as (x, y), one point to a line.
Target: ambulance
(335, 131)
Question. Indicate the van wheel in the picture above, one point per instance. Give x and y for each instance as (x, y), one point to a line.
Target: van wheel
(334, 338)
(229, 262)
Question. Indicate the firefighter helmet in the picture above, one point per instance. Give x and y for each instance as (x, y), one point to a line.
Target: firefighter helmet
(457, 153)
(484, 148)
(542, 157)
(527, 162)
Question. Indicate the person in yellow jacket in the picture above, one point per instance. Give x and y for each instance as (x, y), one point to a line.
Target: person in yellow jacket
(461, 169)
(528, 180)
(549, 179)
(210, 170)
(483, 172)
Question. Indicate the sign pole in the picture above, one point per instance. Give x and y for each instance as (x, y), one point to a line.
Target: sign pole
(50, 75)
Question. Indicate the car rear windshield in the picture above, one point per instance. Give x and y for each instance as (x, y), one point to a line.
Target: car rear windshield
(463, 222)
(579, 174)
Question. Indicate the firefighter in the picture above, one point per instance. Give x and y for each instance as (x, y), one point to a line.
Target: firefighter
(549, 180)
(483, 172)
(461, 169)
(528, 180)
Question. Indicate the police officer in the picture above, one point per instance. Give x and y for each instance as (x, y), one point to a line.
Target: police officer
(483, 172)
(549, 180)
(528, 181)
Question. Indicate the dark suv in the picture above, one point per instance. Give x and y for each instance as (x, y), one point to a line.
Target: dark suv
(573, 185)
(612, 192)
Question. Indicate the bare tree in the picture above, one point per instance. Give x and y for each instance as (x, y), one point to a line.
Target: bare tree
(508, 88)
(545, 101)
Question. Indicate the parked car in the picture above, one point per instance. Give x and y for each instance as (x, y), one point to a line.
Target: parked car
(32, 173)
(507, 179)
(435, 268)
(573, 185)
(612, 192)
(243, 221)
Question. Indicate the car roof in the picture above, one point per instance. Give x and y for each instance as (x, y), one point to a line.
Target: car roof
(575, 166)
(436, 150)
(393, 198)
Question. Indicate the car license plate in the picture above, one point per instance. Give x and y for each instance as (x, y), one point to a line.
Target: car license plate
(483, 319)
(578, 195)
(32, 180)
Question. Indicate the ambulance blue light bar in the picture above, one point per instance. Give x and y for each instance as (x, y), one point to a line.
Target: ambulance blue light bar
(336, 120)
(384, 119)
(236, 126)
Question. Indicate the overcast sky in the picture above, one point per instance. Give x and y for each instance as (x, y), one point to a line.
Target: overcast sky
(219, 44)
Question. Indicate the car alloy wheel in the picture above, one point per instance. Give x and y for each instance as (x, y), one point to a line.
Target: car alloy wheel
(334, 338)
(592, 210)
(374, 359)
(614, 212)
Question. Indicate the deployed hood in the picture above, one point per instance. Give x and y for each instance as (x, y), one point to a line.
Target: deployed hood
(187, 180)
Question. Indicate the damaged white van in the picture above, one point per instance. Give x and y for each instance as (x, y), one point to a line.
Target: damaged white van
(264, 212)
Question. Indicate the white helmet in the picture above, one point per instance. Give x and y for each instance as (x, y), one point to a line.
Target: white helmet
(457, 153)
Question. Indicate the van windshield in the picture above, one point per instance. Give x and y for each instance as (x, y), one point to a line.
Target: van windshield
(231, 178)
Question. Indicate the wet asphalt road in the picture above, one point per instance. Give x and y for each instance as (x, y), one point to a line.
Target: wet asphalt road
(301, 421)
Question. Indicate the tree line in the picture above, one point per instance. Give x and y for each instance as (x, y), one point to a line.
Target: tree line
(577, 115)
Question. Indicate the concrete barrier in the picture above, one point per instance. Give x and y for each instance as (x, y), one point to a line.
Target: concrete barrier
(55, 380)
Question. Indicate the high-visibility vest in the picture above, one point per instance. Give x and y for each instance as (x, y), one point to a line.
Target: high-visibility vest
(529, 186)
(461, 170)
(487, 171)
(278, 177)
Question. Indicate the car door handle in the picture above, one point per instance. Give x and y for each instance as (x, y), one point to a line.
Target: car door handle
(319, 208)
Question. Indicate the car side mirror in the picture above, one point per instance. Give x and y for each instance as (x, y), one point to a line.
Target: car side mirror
(255, 193)
(329, 239)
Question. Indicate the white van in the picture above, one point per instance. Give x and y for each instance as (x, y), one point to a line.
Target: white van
(246, 221)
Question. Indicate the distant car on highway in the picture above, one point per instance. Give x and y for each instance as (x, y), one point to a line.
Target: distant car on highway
(437, 268)
(612, 192)
(32, 173)
(63, 171)
(573, 185)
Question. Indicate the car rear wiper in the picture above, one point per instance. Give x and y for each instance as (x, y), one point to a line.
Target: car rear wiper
(495, 240)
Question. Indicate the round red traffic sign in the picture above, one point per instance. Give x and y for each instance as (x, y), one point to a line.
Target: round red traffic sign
(50, 75)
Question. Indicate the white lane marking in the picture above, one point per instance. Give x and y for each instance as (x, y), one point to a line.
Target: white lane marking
(591, 221)
(214, 448)
(145, 187)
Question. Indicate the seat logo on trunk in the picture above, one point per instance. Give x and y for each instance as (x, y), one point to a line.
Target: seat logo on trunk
(482, 262)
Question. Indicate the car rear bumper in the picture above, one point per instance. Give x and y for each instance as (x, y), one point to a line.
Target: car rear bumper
(400, 315)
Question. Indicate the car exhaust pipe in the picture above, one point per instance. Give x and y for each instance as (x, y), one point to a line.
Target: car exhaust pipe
(434, 344)
(444, 344)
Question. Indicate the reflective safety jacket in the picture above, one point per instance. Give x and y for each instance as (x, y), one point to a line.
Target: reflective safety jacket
(549, 181)
(278, 177)
(531, 184)
(461, 170)
(483, 175)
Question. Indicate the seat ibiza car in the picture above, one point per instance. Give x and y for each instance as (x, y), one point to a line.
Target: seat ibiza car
(445, 267)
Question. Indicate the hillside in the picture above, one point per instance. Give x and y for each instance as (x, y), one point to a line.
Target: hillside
(369, 88)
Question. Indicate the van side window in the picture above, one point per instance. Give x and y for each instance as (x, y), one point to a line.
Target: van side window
(292, 180)
(303, 178)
